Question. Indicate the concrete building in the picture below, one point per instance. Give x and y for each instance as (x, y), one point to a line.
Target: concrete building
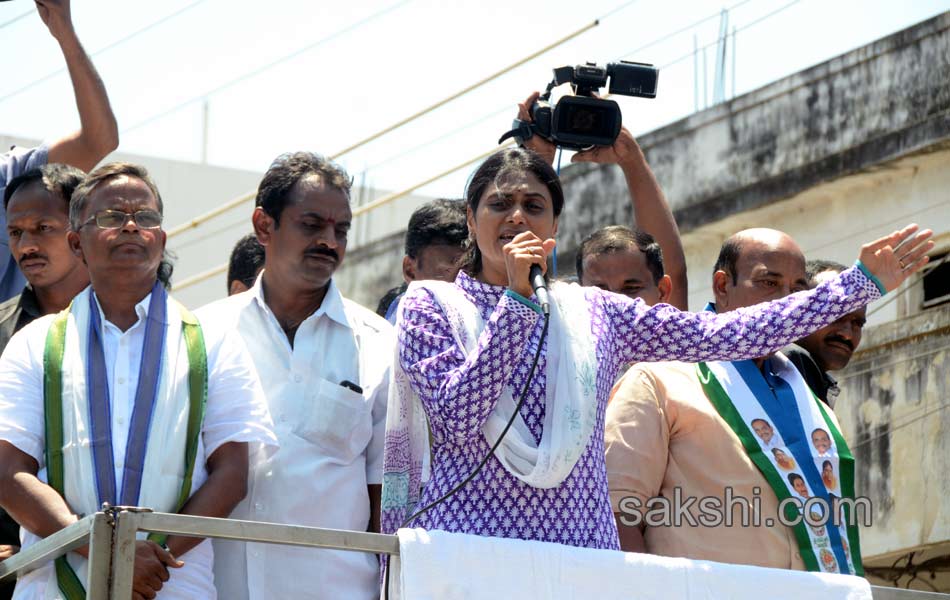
(836, 155)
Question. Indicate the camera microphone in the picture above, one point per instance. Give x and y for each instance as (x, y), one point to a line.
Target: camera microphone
(540, 287)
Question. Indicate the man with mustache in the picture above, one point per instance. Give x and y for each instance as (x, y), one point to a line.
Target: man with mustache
(125, 398)
(324, 362)
(37, 213)
(97, 135)
(690, 428)
(831, 347)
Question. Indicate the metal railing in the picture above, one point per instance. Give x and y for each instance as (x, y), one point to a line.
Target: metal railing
(111, 538)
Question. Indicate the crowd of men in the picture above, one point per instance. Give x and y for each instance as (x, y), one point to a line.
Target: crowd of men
(270, 405)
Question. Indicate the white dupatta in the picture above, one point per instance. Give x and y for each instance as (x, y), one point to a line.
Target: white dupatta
(570, 403)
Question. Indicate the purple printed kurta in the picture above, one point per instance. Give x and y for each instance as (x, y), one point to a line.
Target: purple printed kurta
(459, 391)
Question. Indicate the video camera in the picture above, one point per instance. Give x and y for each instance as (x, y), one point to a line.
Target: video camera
(581, 121)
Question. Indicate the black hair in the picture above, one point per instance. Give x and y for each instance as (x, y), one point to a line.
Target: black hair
(617, 238)
(165, 269)
(514, 160)
(287, 169)
(729, 258)
(58, 179)
(793, 476)
(814, 267)
(384, 303)
(247, 258)
(440, 221)
(80, 196)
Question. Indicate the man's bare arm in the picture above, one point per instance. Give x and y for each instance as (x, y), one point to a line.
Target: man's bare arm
(631, 536)
(375, 505)
(37, 507)
(651, 212)
(98, 134)
(225, 488)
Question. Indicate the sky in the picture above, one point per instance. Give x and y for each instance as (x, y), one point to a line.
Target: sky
(242, 82)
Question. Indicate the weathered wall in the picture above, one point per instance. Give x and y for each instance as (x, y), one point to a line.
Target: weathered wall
(867, 107)
(895, 409)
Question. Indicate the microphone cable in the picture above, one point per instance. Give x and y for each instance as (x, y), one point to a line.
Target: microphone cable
(484, 461)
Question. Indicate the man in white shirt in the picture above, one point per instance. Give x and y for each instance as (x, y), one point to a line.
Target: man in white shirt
(125, 398)
(324, 365)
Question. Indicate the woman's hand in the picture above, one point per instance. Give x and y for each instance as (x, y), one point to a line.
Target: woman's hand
(524, 250)
(894, 258)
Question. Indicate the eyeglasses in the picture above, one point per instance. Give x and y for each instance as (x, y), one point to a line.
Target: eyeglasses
(116, 219)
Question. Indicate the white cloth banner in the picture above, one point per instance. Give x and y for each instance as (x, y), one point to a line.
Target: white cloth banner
(437, 565)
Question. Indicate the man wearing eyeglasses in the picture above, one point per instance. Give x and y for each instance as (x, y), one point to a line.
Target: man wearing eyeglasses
(125, 398)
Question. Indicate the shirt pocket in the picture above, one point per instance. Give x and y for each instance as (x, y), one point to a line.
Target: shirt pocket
(336, 419)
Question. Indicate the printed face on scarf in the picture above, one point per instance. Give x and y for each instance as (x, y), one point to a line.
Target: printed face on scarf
(763, 430)
(798, 484)
(782, 459)
(516, 203)
(820, 439)
(129, 251)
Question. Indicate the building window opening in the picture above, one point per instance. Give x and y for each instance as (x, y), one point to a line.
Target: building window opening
(937, 281)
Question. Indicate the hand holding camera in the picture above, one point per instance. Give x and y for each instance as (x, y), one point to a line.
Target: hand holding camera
(583, 121)
(623, 149)
(538, 144)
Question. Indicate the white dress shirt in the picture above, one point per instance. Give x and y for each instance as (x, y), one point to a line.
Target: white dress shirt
(331, 446)
(235, 412)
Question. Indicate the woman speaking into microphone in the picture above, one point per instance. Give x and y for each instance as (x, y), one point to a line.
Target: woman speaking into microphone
(479, 366)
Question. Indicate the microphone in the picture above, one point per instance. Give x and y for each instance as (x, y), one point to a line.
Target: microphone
(540, 287)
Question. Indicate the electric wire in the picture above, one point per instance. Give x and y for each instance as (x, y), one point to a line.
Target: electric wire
(17, 18)
(270, 65)
(683, 29)
(197, 221)
(485, 80)
(506, 107)
(102, 50)
(466, 90)
(735, 31)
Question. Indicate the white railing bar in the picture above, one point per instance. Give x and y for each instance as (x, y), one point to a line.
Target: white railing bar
(52, 547)
(100, 557)
(97, 531)
(268, 533)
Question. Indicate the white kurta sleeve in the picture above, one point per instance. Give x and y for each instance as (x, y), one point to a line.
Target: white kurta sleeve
(237, 409)
(21, 391)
